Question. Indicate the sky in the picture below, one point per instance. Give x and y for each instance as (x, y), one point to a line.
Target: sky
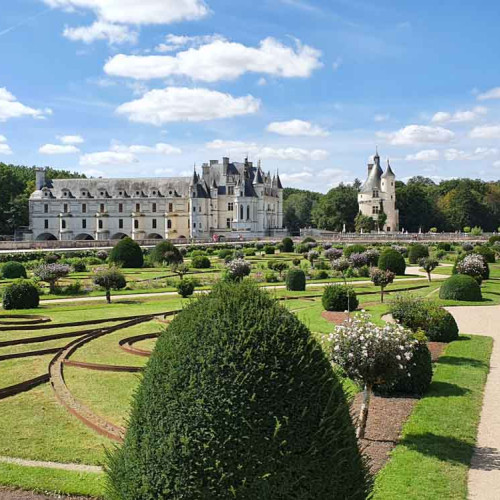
(144, 88)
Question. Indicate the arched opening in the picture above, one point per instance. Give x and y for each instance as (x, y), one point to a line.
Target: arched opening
(221, 238)
(118, 236)
(46, 237)
(83, 236)
(182, 237)
(154, 236)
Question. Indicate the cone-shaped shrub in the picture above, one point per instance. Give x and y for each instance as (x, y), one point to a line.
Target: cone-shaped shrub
(417, 252)
(127, 253)
(296, 280)
(166, 253)
(238, 401)
(460, 287)
(287, 245)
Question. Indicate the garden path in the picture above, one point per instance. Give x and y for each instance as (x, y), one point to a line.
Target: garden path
(484, 473)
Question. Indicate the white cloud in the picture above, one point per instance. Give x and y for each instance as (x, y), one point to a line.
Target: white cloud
(485, 132)
(424, 155)
(417, 134)
(277, 153)
(10, 107)
(175, 42)
(295, 128)
(490, 94)
(4, 147)
(177, 104)
(459, 116)
(107, 158)
(220, 60)
(160, 149)
(101, 30)
(381, 117)
(71, 139)
(478, 154)
(58, 149)
(138, 11)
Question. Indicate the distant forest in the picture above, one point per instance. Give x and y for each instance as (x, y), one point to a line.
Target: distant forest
(16, 185)
(450, 205)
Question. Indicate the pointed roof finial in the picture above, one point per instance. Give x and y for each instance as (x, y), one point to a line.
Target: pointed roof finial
(376, 150)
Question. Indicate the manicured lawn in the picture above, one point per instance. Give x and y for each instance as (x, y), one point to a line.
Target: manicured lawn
(432, 460)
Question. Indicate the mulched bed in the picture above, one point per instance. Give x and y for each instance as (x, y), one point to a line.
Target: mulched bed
(334, 317)
(436, 349)
(9, 494)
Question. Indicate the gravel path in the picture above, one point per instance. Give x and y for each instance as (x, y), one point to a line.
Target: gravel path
(484, 473)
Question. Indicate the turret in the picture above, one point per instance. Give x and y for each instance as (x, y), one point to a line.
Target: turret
(40, 178)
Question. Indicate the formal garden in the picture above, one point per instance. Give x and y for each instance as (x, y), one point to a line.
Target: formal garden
(287, 369)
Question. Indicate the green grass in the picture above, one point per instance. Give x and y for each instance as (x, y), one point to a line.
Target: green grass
(434, 454)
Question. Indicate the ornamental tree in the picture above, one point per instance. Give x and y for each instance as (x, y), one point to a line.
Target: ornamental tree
(341, 265)
(312, 255)
(382, 279)
(428, 264)
(333, 253)
(51, 273)
(109, 278)
(278, 266)
(371, 354)
(180, 269)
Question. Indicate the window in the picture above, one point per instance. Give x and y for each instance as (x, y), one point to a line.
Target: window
(153, 208)
(194, 225)
(194, 209)
(199, 209)
(46, 194)
(228, 223)
(375, 193)
(84, 224)
(375, 210)
(101, 208)
(136, 224)
(46, 208)
(65, 208)
(248, 212)
(154, 193)
(137, 193)
(120, 207)
(230, 206)
(153, 223)
(241, 212)
(100, 223)
(169, 224)
(120, 193)
(120, 223)
(63, 224)
(170, 207)
(137, 207)
(230, 190)
(84, 208)
(46, 223)
(102, 194)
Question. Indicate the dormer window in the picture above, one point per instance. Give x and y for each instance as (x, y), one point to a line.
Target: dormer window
(137, 193)
(65, 193)
(375, 193)
(120, 193)
(170, 193)
(102, 193)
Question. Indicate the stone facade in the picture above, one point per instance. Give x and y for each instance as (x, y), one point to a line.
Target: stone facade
(378, 194)
(227, 199)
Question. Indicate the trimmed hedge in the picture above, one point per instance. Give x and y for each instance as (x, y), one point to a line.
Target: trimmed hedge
(392, 260)
(200, 262)
(238, 401)
(22, 294)
(269, 250)
(287, 245)
(166, 253)
(460, 287)
(356, 248)
(127, 253)
(339, 298)
(12, 270)
(416, 252)
(296, 280)
(487, 253)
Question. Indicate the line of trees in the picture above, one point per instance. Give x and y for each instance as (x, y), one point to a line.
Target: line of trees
(450, 205)
(16, 185)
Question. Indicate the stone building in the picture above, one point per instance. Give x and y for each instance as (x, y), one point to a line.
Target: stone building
(227, 199)
(378, 194)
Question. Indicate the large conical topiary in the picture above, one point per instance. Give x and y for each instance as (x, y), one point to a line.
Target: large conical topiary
(166, 253)
(127, 253)
(238, 401)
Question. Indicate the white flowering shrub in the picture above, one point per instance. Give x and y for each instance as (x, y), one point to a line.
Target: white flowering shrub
(473, 265)
(371, 354)
(237, 269)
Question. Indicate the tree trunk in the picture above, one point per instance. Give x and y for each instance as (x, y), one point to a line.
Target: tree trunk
(429, 275)
(363, 414)
(108, 296)
(382, 294)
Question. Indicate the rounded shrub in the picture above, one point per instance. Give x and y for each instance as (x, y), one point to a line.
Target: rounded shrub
(166, 253)
(22, 294)
(287, 245)
(308, 239)
(339, 298)
(224, 253)
(441, 326)
(269, 250)
(296, 261)
(349, 250)
(185, 288)
(239, 394)
(392, 260)
(296, 280)
(487, 253)
(460, 287)
(127, 253)
(79, 266)
(419, 379)
(200, 262)
(493, 239)
(416, 252)
(12, 270)
(444, 245)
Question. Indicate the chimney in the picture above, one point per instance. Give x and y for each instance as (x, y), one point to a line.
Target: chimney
(205, 170)
(225, 161)
(40, 178)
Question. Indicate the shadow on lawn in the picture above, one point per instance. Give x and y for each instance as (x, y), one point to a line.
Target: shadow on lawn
(444, 389)
(460, 361)
(447, 449)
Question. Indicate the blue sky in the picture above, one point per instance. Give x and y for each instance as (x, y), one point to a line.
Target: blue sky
(309, 87)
